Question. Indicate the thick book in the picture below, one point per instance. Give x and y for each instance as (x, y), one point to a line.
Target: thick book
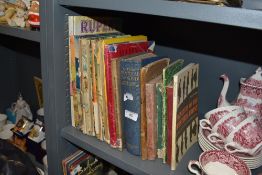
(113, 50)
(147, 73)
(151, 116)
(131, 99)
(168, 74)
(185, 112)
(116, 52)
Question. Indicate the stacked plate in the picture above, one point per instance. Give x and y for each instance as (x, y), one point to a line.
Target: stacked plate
(252, 162)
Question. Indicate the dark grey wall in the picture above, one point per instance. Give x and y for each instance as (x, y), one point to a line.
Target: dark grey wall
(20, 61)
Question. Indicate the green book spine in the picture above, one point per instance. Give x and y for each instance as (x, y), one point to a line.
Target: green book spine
(159, 108)
(168, 74)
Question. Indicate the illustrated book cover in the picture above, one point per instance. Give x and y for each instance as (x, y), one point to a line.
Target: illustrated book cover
(185, 112)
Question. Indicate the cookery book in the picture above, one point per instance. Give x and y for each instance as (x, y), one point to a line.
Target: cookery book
(185, 112)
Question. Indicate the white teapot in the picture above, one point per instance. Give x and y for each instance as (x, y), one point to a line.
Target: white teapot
(250, 95)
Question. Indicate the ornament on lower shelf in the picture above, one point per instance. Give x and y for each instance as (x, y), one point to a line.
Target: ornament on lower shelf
(21, 109)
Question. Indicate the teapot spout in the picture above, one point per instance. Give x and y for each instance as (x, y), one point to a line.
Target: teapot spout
(222, 101)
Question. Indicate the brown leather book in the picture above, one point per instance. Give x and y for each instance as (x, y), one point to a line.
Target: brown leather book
(147, 73)
(151, 116)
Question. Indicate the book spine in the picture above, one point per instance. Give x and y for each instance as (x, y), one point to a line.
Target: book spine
(69, 111)
(143, 134)
(167, 78)
(151, 121)
(117, 102)
(110, 101)
(159, 108)
(130, 87)
(169, 91)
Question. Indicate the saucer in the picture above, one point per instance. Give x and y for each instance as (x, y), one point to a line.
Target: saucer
(252, 162)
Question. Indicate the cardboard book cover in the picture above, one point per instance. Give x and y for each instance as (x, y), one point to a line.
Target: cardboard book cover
(185, 112)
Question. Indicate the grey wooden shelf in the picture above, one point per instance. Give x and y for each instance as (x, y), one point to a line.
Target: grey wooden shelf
(20, 33)
(128, 162)
(191, 11)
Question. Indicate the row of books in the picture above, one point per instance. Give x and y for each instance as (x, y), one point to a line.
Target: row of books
(81, 162)
(126, 95)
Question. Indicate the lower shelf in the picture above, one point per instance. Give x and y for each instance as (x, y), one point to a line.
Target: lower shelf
(127, 161)
(123, 159)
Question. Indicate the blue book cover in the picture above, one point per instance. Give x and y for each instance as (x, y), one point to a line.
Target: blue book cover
(131, 100)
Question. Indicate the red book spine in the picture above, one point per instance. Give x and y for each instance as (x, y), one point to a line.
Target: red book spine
(169, 91)
(151, 121)
(114, 52)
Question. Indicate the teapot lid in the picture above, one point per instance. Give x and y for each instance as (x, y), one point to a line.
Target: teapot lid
(256, 79)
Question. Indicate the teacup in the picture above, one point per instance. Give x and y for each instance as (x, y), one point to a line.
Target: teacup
(216, 161)
(226, 123)
(246, 138)
(216, 114)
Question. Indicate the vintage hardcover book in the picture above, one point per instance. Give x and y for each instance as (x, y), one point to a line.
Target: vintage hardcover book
(168, 73)
(159, 108)
(116, 82)
(147, 73)
(185, 112)
(169, 92)
(116, 52)
(108, 57)
(131, 99)
(151, 116)
(80, 26)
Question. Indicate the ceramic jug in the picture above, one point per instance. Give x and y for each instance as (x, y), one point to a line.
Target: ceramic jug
(250, 95)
